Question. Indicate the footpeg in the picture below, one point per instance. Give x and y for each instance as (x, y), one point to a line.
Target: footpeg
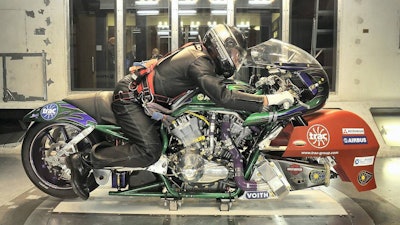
(120, 179)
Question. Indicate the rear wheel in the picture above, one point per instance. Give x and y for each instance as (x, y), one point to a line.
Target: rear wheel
(43, 161)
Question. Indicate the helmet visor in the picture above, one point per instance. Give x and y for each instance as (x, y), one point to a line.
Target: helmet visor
(238, 56)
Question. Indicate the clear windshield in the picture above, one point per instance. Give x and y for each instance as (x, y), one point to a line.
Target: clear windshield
(275, 53)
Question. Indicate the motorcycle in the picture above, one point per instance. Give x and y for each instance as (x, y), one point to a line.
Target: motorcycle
(210, 151)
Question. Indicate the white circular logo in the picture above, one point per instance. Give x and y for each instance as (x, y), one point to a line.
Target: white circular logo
(318, 136)
(49, 111)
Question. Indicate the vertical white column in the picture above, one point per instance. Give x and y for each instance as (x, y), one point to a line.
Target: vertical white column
(285, 20)
(120, 14)
(230, 17)
(174, 21)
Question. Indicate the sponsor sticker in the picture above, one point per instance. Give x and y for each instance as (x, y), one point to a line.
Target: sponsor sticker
(318, 136)
(320, 153)
(364, 177)
(353, 140)
(294, 169)
(317, 176)
(352, 131)
(257, 195)
(49, 111)
(364, 161)
(202, 97)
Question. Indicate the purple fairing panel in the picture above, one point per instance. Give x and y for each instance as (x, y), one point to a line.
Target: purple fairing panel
(74, 114)
(60, 112)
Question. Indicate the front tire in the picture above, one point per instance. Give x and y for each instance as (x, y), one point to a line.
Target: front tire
(45, 165)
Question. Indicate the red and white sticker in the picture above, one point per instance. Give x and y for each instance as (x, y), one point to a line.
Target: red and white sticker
(318, 136)
(294, 169)
(352, 131)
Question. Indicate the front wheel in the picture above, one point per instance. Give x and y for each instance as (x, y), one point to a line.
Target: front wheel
(45, 164)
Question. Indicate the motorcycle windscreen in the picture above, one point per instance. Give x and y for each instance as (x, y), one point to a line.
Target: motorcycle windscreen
(275, 52)
(342, 135)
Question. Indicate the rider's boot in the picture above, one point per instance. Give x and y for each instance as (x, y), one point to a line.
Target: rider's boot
(79, 174)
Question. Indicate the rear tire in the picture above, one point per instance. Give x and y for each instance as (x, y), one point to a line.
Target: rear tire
(44, 167)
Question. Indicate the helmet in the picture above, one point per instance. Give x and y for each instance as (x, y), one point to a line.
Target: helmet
(227, 46)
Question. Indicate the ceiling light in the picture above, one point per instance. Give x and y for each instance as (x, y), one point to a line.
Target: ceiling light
(260, 2)
(146, 2)
(211, 24)
(187, 12)
(243, 24)
(162, 25)
(147, 12)
(219, 2)
(218, 12)
(187, 2)
(163, 33)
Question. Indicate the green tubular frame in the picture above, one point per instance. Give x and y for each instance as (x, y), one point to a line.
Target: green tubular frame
(146, 190)
(110, 129)
(172, 193)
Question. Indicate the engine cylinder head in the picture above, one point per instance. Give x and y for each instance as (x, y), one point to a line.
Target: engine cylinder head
(186, 129)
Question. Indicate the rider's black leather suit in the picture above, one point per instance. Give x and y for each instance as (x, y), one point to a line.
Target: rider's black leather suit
(191, 67)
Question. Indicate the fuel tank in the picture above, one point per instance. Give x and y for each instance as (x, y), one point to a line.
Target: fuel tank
(342, 135)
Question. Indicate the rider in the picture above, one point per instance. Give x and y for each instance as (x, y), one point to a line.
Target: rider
(194, 66)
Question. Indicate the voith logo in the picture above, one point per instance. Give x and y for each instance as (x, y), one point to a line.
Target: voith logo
(318, 136)
(257, 195)
(49, 112)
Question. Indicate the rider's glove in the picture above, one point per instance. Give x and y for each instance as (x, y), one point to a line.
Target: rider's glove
(283, 98)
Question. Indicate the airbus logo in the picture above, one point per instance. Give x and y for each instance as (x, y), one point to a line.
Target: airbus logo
(318, 136)
(355, 140)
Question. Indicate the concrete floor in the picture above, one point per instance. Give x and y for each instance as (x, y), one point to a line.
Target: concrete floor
(23, 204)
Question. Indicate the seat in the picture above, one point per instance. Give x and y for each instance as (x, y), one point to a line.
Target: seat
(95, 104)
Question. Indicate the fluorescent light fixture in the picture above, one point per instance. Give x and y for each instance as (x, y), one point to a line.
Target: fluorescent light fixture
(243, 25)
(211, 24)
(218, 2)
(187, 12)
(146, 2)
(187, 2)
(260, 2)
(163, 33)
(194, 25)
(218, 12)
(147, 12)
(162, 25)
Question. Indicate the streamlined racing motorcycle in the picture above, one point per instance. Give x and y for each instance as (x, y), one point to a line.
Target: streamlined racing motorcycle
(210, 151)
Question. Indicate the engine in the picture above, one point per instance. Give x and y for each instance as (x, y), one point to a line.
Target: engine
(198, 153)
(198, 157)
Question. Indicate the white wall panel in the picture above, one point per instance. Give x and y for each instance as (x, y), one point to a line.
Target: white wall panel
(369, 55)
(34, 27)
